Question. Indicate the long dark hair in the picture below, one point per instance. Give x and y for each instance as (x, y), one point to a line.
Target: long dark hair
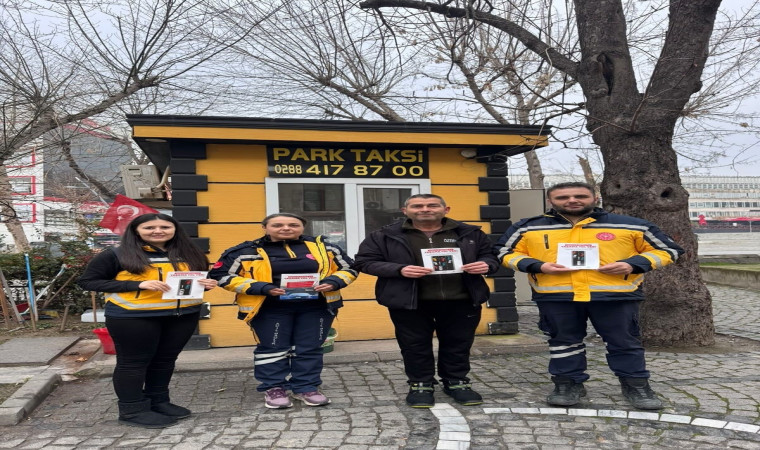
(179, 248)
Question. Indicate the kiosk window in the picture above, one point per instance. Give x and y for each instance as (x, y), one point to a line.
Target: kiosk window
(323, 205)
(383, 206)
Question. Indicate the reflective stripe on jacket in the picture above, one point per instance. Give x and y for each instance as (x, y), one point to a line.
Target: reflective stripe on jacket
(245, 269)
(534, 241)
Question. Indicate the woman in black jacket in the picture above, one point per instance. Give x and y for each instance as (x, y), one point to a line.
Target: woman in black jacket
(148, 330)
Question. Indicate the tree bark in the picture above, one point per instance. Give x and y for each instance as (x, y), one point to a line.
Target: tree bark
(8, 214)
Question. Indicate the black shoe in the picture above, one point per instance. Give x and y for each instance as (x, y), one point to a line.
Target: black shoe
(420, 395)
(171, 410)
(462, 393)
(566, 392)
(139, 414)
(639, 394)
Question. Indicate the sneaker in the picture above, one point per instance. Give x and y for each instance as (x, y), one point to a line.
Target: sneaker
(314, 398)
(639, 394)
(462, 393)
(566, 392)
(277, 398)
(420, 395)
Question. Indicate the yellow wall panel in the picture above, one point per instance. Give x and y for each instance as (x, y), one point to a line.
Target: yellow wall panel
(465, 201)
(447, 166)
(223, 236)
(225, 328)
(234, 202)
(361, 289)
(233, 163)
(219, 296)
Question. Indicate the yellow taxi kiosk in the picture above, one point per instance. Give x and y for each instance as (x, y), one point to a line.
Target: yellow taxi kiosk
(347, 178)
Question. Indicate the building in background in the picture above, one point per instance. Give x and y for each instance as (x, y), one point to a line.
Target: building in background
(715, 202)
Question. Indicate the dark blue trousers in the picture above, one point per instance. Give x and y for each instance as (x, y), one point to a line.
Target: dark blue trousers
(617, 322)
(290, 337)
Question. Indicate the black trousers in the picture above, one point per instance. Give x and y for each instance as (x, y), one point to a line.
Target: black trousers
(146, 350)
(454, 322)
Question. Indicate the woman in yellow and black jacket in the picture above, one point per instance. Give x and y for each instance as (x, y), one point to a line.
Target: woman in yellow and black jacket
(288, 291)
(148, 331)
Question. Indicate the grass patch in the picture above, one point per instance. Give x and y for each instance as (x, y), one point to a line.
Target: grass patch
(6, 390)
(750, 267)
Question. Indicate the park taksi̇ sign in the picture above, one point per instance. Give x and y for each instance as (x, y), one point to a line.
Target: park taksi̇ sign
(347, 161)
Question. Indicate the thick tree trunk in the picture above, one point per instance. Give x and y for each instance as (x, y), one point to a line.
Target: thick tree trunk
(678, 309)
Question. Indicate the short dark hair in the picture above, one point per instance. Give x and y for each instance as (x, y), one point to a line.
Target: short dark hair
(443, 202)
(570, 184)
(180, 248)
(292, 216)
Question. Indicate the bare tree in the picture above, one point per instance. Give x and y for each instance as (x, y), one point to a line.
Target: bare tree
(634, 130)
(64, 61)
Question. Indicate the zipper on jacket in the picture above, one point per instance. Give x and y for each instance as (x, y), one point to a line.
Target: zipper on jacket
(440, 281)
(535, 278)
(160, 274)
(546, 241)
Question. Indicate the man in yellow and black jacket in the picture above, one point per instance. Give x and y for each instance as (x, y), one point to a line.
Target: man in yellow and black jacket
(585, 263)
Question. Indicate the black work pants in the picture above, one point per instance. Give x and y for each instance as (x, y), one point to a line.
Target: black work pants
(454, 323)
(146, 350)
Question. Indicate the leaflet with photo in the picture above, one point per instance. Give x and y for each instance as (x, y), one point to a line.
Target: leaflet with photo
(299, 286)
(184, 285)
(442, 260)
(578, 256)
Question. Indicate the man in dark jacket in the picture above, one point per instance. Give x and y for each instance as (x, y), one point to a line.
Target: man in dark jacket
(424, 296)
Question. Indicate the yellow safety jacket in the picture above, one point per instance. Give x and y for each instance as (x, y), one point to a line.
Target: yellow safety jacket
(245, 269)
(534, 241)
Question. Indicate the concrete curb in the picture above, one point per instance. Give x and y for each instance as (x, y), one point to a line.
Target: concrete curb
(28, 397)
(745, 279)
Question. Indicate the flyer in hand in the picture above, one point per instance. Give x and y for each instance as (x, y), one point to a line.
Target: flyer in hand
(442, 260)
(184, 285)
(578, 256)
(299, 286)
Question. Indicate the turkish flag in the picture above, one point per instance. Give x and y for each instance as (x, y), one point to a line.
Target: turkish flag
(702, 220)
(122, 211)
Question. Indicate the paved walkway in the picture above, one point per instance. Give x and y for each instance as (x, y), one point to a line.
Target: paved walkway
(712, 402)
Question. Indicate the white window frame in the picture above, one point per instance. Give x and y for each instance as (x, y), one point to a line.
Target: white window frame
(353, 195)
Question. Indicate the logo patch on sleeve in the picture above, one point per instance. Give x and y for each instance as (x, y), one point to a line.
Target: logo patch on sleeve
(605, 236)
(217, 265)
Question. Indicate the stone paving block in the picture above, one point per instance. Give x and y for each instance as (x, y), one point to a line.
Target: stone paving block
(526, 411)
(581, 412)
(641, 415)
(552, 410)
(612, 413)
(737, 426)
(675, 418)
(452, 445)
(708, 423)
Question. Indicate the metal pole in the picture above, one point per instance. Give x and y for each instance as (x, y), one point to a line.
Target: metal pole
(32, 308)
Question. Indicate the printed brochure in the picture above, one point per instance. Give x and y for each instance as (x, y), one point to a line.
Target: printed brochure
(184, 285)
(299, 286)
(442, 260)
(578, 256)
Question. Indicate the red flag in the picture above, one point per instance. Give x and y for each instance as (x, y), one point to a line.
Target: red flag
(702, 220)
(122, 211)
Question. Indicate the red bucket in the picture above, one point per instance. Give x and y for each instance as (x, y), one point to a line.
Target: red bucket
(105, 340)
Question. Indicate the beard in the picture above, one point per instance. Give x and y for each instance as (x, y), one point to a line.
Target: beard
(579, 212)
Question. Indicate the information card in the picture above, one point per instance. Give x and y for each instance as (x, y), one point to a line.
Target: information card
(442, 260)
(299, 286)
(184, 285)
(578, 256)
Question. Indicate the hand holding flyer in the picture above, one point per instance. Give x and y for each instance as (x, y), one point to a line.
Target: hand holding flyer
(184, 285)
(442, 260)
(578, 256)
(299, 286)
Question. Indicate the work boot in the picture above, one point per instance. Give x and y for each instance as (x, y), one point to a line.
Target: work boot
(639, 394)
(566, 392)
(420, 395)
(160, 403)
(461, 392)
(139, 414)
